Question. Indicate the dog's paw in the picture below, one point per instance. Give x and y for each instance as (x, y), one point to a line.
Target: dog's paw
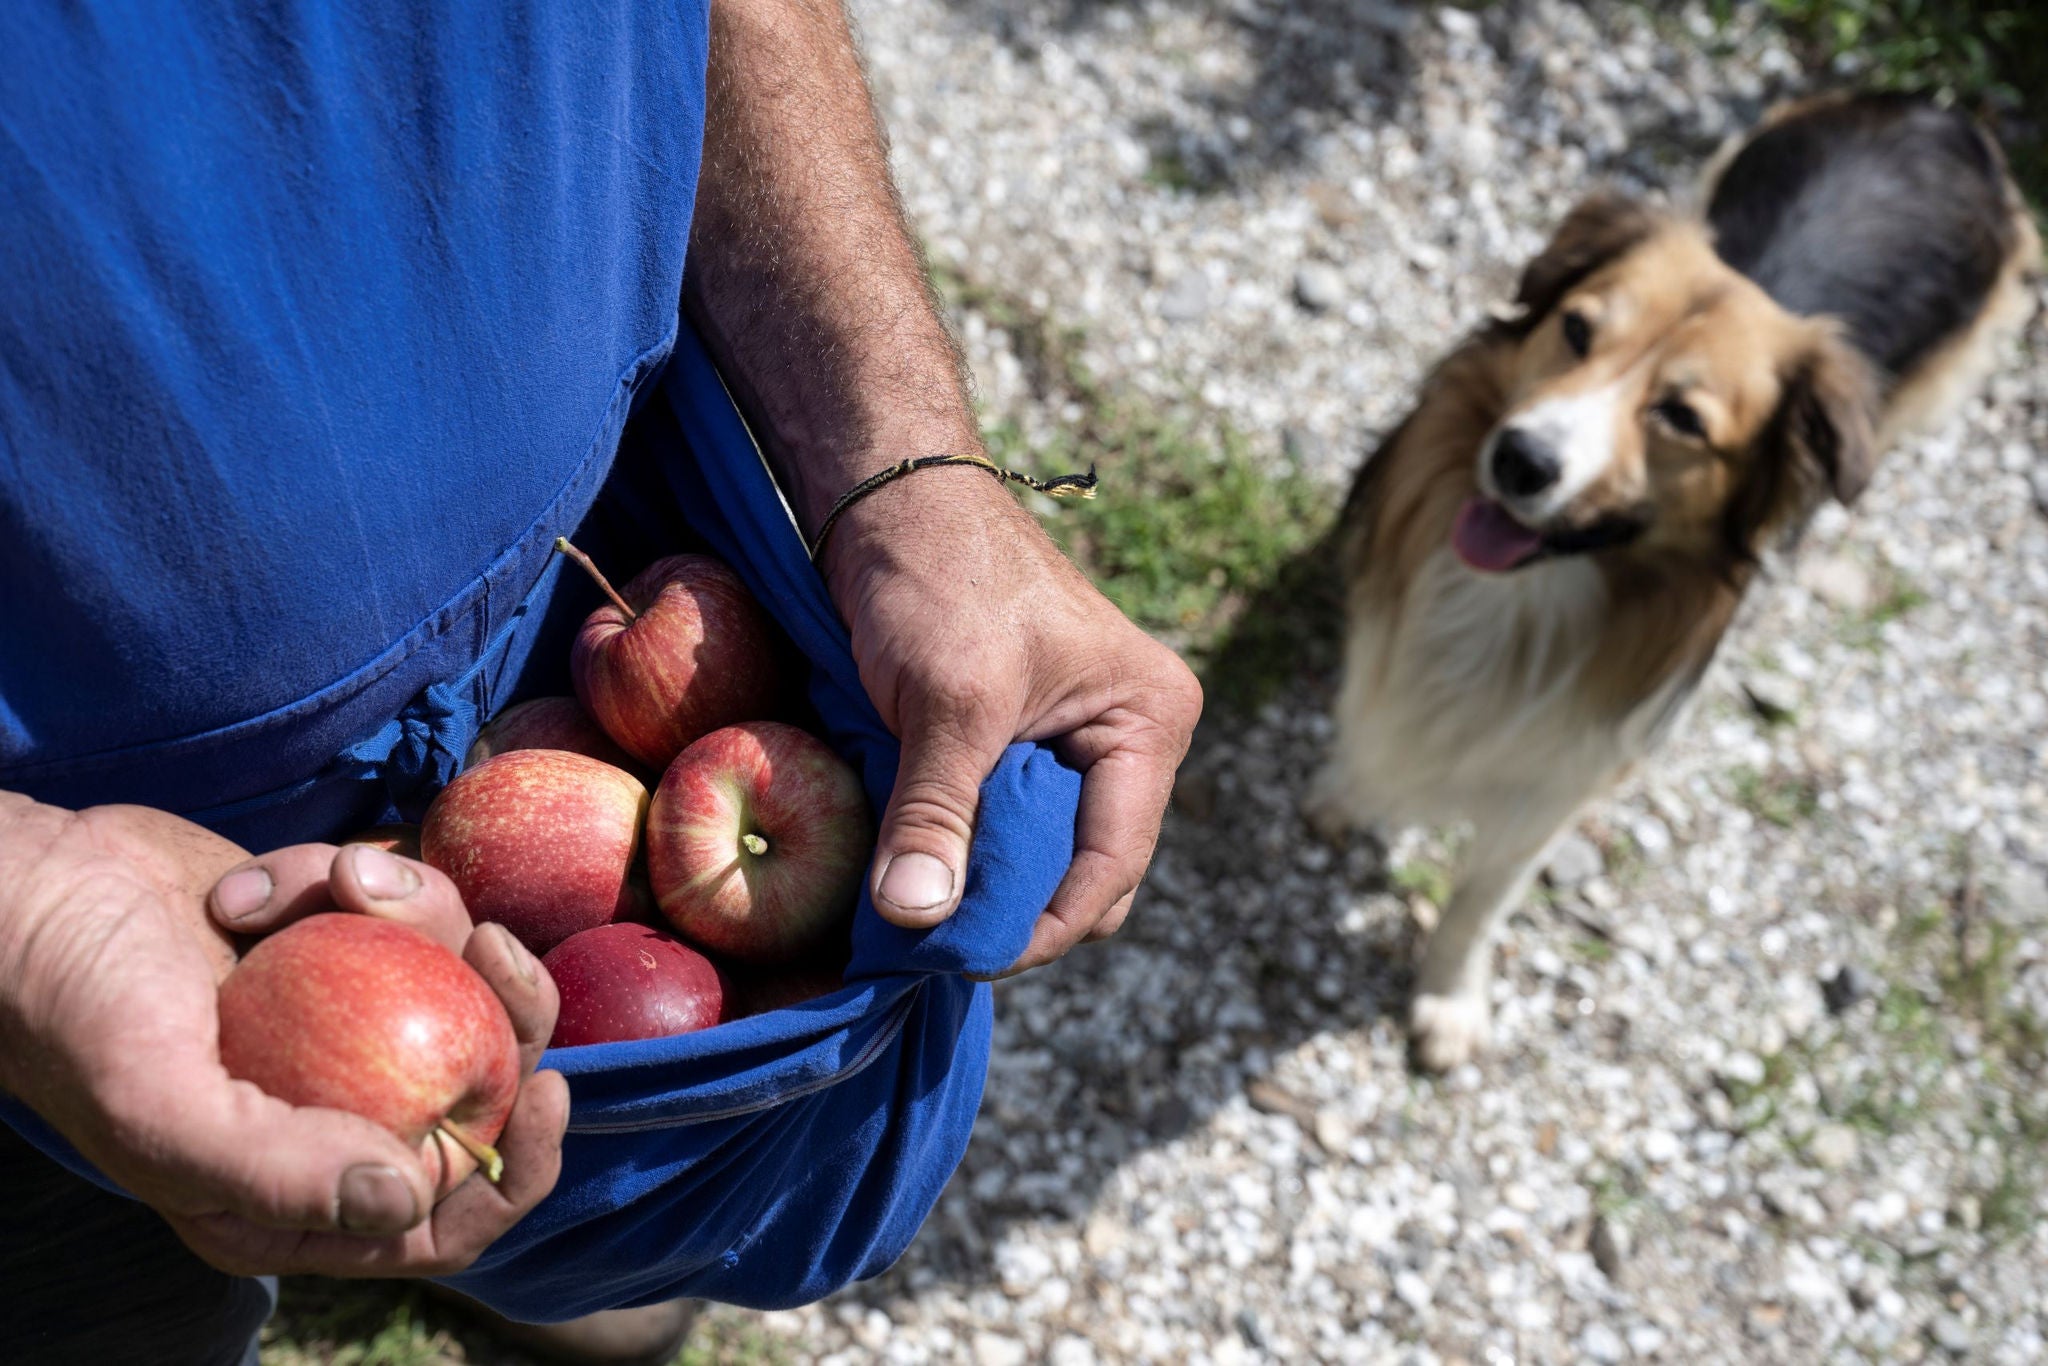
(1326, 810)
(1449, 1031)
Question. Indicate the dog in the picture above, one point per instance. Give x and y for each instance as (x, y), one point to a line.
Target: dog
(1542, 558)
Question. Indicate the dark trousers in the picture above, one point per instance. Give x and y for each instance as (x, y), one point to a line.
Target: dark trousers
(99, 1280)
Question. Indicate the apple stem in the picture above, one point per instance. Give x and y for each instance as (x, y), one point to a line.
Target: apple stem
(562, 545)
(486, 1156)
(753, 844)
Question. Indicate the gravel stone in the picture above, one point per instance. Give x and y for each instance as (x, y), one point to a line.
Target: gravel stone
(1574, 862)
(1951, 1334)
(1186, 299)
(1839, 582)
(1833, 1146)
(1775, 697)
(1610, 1245)
(1601, 1343)
(1846, 986)
(1071, 1351)
(1645, 1339)
(993, 1349)
(1318, 288)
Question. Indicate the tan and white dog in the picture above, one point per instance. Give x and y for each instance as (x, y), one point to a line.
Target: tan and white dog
(1542, 559)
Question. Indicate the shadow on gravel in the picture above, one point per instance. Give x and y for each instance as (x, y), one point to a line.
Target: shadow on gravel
(1240, 952)
(1322, 65)
(1312, 58)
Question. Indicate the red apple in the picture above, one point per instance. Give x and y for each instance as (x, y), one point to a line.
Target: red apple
(370, 1016)
(683, 651)
(540, 840)
(547, 723)
(400, 839)
(757, 839)
(631, 982)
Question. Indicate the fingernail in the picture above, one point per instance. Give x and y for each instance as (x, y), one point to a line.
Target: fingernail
(240, 895)
(523, 961)
(377, 1200)
(916, 882)
(383, 876)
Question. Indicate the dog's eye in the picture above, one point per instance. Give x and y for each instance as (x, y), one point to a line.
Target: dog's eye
(1578, 333)
(1681, 418)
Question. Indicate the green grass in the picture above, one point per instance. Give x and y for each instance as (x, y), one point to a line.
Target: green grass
(1624, 859)
(361, 1323)
(1865, 629)
(394, 1323)
(1615, 1193)
(1425, 878)
(1969, 50)
(1755, 1104)
(1782, 799)
(1593, 950)
(1190, 535)
(1167, 169)
(732, 1337)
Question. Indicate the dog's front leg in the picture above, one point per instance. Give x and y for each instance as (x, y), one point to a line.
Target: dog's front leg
(1451, 1018)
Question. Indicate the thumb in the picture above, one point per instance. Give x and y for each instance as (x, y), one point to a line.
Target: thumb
(222, 1146)
(921, 858)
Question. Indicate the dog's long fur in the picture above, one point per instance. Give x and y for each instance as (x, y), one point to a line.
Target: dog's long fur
(1872, 254)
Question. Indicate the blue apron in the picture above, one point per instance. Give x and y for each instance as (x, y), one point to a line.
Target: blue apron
(316, 327)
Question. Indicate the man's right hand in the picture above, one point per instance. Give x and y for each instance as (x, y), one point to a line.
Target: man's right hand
(111, 954)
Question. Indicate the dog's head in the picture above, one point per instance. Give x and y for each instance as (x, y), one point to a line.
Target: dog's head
(1656, 398)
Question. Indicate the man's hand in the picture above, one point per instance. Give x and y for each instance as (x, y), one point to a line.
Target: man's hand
(972, 630)
(110, 961)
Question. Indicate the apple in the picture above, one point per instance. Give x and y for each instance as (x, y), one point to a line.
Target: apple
(757, 839)
(547, 723)
(541, 841)
(397, 838)
(628, 981)
(376, 1018)
(683, 651)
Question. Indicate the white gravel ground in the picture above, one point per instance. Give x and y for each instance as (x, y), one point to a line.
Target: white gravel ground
(1202, 1142)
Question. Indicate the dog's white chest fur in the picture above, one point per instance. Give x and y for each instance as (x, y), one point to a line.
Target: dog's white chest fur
(1466, 699)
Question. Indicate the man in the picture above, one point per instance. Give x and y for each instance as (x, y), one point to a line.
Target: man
(315, 324)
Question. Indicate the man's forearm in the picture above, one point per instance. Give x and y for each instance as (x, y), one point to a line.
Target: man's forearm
(802, 277)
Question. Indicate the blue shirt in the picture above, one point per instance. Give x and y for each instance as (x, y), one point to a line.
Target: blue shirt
(317, 321)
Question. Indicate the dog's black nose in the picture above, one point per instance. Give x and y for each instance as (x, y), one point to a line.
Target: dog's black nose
(1523, 464)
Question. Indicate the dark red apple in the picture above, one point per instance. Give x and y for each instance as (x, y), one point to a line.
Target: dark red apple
(757, 839)
(631, 982)
(541, 841)
(376, 1018)
(547, 723)
(683, 651)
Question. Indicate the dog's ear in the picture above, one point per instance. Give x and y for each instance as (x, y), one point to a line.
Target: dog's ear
(1830, 413)
(1600, 228)
(1821, 440)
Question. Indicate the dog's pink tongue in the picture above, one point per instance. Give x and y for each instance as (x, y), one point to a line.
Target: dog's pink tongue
(1486, 538)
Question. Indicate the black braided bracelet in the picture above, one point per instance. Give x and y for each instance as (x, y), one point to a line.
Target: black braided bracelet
(1082, 485)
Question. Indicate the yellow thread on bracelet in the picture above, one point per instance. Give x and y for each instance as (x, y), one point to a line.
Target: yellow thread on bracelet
(1065, 485)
